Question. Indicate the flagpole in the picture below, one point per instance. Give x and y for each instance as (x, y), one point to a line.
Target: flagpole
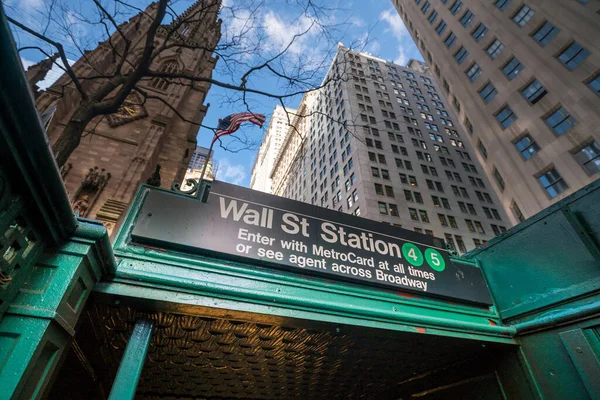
(210, 149)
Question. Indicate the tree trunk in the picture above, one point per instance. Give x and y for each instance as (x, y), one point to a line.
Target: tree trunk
(70, 137)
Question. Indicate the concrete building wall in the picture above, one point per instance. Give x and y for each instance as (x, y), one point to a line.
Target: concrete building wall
(522, 31)
(269, 148)
(366, 135)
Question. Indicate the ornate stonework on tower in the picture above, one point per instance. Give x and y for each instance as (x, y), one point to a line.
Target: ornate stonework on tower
(122, 150)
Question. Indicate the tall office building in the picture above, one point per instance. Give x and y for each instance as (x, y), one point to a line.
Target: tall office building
(200, 156)
(380, 142)
(269, 148)
(524, 77)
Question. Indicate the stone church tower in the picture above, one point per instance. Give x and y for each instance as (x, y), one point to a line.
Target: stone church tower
(145, 141)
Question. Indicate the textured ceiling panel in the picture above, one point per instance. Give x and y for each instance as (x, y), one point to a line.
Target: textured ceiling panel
(196, 357)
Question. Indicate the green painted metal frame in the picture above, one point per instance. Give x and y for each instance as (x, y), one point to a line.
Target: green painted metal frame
(60, 258)
(162, 275)
(132, 363)
(544, 276)
(24, 152)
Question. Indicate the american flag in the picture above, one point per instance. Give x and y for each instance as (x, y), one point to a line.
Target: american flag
(230, 124)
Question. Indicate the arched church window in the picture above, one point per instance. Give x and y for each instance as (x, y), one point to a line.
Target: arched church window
(168, 67)
(185, 30)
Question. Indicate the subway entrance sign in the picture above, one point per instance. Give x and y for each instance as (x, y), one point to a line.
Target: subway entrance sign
(240, 223)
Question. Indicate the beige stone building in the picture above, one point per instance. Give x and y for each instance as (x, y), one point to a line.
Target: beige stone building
(290, 161)
(269, 149)
(145, 141)
(524, 77)
(379, 141)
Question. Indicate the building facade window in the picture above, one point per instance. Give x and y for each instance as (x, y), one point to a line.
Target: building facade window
(527, 146)
(573, 55)
(473, 72)
(460, 243)
(506, 117)
(456, 6)
(495, 49)
(502, 4)
(488, 92)
(512, 68)
(523, 15)
(560, 121)
(499, 179)
(450, 39)
(432, 17)
(589, 158)
(441, 27)
(479, 32)
(517, 211)
(461, 55)
(545, 33)
(594, 84)
(467, 18)
(534, 92)
(482, 150)
(413, 214)
(552, 183)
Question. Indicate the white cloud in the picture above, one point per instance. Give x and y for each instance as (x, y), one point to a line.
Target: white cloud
(231, 173)
(357, 21)
(28, 5)
(398, 29)
(280, 34)
(374, 47)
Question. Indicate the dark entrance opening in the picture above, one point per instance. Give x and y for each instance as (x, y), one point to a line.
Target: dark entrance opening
(220, 354)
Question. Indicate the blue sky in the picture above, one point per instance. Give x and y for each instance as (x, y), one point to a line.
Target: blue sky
(259, 30)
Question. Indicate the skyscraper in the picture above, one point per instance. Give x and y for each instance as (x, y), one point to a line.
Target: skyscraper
(525, 79)
(269, 148)
(380, 142)
(200, 156)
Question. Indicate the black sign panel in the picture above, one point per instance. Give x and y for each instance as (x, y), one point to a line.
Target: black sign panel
(247, 224)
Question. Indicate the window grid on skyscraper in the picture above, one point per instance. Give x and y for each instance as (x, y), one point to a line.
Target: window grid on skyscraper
(467, 18)
(573, 55)
(506, 117)
(441, 27)
(456, 6)
(552, 183)
(527, 146)
(560, 121)
(523, 15)
(479, 32)
(494, 49)
(589, 158)
(502, 4)
(545, 33)
(461, 55)
(473, 72)
(488, 92)
(450, 39)
(534, 92)
(594, 84)
(512, 68)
